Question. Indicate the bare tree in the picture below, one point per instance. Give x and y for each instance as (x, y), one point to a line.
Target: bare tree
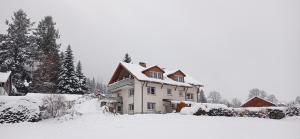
(297, 100)
(226, 102)
(255, 92)
(54, 106)
(214, 97)
(272, 98)
(236, 102)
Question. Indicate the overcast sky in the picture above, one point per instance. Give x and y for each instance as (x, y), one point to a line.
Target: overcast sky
(230, 46)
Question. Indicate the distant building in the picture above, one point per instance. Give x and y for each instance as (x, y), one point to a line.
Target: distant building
(141, 89)
(257, 102)
(5, 83)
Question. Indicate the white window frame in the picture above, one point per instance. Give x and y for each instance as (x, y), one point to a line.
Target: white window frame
(179, 79)
(130, 92)
(159, 75)
(169, 92)
(150, 89)
(131, 107)
(156, 75)
(151, 106)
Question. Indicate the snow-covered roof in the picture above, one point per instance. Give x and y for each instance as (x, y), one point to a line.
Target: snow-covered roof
(137, 71)
(258, 98)
(4, 76)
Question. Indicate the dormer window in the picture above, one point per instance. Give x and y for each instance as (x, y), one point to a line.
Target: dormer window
(179, 79)
(157, 75)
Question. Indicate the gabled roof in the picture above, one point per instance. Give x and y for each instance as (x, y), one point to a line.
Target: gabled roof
(137, 71)
(175, 71)
(256, 98)
(4, 76)
(146, 69)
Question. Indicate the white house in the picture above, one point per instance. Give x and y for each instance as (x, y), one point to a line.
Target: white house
(141, 89)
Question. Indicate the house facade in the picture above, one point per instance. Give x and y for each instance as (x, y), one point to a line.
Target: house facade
(141, 89)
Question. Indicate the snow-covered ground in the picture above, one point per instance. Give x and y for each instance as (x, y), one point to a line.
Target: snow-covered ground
(93, 124)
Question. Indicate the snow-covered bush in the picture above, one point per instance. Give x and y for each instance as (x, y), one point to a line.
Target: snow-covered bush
(292, 111)
(220, 112)
(275, 114)
(200, 112)
(23, 110)
(56, 106)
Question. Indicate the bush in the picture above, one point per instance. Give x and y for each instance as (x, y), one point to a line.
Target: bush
(55, 105)
(292, 111)
(23, 110)
(275, 114)
(200, 112)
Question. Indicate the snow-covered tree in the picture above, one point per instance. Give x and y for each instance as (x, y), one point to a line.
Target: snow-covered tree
(297, 100)
(46, 76)
(202, 97)
(127, 58)
(81, 80)
(214, 97)
(272, 98)
(235, 102)
(68, 82)
(16, 50)
(226, 102)
(255, 92)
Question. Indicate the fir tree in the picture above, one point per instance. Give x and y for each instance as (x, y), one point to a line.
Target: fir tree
(202, 97)
(16, 49)
(46, 76)
(68, 82)
(127, 58)
(82, 86)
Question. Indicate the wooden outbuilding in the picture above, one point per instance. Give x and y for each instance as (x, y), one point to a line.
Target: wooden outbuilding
(257, 102)
(5, 83)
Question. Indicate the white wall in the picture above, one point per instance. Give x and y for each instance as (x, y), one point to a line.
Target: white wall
(161, 93)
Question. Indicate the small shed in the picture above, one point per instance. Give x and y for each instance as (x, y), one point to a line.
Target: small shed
(5, 83)
(257, 102)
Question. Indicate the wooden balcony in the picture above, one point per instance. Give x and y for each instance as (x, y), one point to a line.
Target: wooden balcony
(127, 82)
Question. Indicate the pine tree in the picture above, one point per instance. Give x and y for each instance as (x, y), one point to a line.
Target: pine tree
(46, 76)
(202, 97)
(81, 80)
(16, 49)
(127, 58)
(68, 82)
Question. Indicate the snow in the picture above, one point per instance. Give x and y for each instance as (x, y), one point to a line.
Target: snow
(4, 76)
(137, 70)
(94, 124)
(196, 106)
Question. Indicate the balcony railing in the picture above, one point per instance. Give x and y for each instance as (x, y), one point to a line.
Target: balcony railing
(120, 84)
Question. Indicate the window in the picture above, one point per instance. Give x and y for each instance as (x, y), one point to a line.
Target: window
(151, 90)
(169, 92)
(130, 92)
(189, 96)
(131, 107)
(180, 93)
(157, 75)
(151, 106)
(179, 78)
(119, 108)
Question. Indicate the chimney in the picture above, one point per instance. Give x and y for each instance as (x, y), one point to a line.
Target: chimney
(143, 64)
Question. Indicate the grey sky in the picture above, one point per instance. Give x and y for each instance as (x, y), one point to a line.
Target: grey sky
(231, 46)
